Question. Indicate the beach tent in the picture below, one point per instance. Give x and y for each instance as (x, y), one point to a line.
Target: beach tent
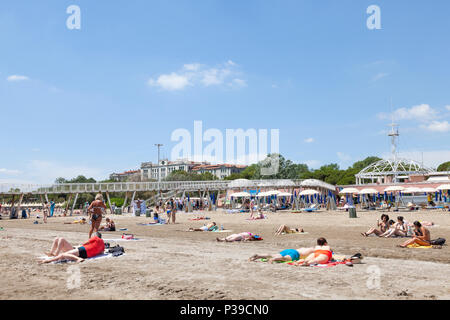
(393, 189)
(365, 194)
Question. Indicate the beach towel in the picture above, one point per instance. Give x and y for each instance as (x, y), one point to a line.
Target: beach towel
(123, 239)
(295, 233)
(97, 257)
(415, 245)
(332, 263)
(150, 224)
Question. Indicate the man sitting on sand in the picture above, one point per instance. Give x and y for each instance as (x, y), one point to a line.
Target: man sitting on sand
(421, 236)
(63, 250)
(284, 229)
(209, 227)
(109, 226)
(285, 255)
(243, 236)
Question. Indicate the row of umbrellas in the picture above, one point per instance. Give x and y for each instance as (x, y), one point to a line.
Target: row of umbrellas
(277, 193)
(411, 190)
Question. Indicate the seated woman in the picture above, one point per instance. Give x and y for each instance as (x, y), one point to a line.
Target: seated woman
(209, 227)
(421, 236)
(257, 215)
(285, 255)
(243, 236)
(285, 229)
(110, 225)
(399, 229)
(63, 250)
(383, 225)
(322, 254)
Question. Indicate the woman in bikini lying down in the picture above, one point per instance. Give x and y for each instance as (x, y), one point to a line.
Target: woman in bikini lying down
(285, 229)
(322, 254)
(209, 227)
(243, 236)
(285, 255)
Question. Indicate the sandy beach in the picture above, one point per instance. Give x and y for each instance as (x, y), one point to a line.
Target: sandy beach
(171, 263)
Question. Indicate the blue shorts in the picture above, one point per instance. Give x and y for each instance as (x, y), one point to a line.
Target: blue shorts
(292, 253)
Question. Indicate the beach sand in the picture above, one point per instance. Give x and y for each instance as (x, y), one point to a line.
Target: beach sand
(170, 263)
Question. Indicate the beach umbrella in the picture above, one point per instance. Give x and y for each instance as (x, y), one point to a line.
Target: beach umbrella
(428, 190)
(308, 192)
(394, 188)
(241, 195)
(349, 191)
(443, 187)
(368, 191)
(273, 192)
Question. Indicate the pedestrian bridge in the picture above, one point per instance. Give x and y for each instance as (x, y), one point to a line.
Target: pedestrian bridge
(179, 186)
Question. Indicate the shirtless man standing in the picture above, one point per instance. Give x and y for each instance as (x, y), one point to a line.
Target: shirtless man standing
(95, 211)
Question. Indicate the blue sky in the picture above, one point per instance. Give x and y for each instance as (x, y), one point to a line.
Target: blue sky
(96, 100)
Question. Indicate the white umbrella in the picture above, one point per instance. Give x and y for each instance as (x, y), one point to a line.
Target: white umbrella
(308, 192)
(240, 195)
(349, 191)
(368, 191)
(273, 193)
(394, 188)
(412, 190)
(428, 190)
(284, 194)
(443, 187)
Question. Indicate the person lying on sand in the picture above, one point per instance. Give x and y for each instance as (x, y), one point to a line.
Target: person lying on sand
(285, 255)
(383, 225)
(421, 236)
(80, 221)
(322, 254)
(63, 250)
(109, 226)
(285, 229)
(243, 236)
(209, 227)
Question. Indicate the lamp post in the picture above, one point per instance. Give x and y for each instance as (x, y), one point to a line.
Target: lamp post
(159, 145)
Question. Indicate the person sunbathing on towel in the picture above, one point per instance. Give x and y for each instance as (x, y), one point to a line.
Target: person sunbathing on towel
(81, 221)
(209, 227)
(285, 229)
(322, 254)
(383, 225)
(243, 236)
(285, 255)
(109, 226)
(421, 236)
(63, 250)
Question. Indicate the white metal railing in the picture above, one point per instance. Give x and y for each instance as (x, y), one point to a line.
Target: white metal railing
(73, 188)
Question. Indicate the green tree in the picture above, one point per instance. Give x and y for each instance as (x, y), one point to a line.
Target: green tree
(444, 166)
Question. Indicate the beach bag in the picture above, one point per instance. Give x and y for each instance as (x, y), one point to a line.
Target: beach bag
(116, 250)
(438, 242)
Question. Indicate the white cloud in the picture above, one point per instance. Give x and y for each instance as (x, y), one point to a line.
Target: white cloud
(9, 171)
(420, 113)
(312, 164)
(437, 126)
(194, 74)
(16, 78)
(170, 82)
(309, 140)
(239, 83)
(379, 76)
